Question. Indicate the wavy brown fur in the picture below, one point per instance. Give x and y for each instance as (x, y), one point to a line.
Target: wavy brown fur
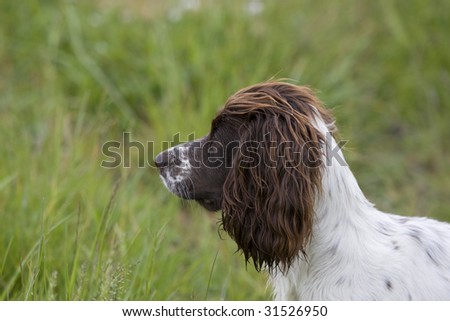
(269, 193)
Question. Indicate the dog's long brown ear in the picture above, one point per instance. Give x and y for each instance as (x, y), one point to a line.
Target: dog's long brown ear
(269, 193)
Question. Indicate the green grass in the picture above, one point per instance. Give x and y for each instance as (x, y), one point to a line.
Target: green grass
(75, 74)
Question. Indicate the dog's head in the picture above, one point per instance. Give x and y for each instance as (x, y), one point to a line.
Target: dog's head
(261, 165)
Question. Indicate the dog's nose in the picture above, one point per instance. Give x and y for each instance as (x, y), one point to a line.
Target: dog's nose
(162, 160)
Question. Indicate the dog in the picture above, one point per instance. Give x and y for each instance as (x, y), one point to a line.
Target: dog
(272, 165)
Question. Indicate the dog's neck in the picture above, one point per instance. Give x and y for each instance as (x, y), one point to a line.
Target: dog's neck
(343, 218)
(341, 195)
(341, 206)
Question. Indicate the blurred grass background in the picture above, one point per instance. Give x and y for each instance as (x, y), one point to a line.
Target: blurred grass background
(75, 74)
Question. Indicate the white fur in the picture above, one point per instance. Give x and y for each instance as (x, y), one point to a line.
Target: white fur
(173, 178)
(360, 253)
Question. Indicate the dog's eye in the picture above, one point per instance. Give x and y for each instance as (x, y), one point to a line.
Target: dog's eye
(213, 154)
(212, 148)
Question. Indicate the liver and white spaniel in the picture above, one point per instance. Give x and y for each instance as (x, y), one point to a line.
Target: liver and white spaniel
(272, 166)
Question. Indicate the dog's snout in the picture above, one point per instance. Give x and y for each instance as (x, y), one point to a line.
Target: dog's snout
(167, 158)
